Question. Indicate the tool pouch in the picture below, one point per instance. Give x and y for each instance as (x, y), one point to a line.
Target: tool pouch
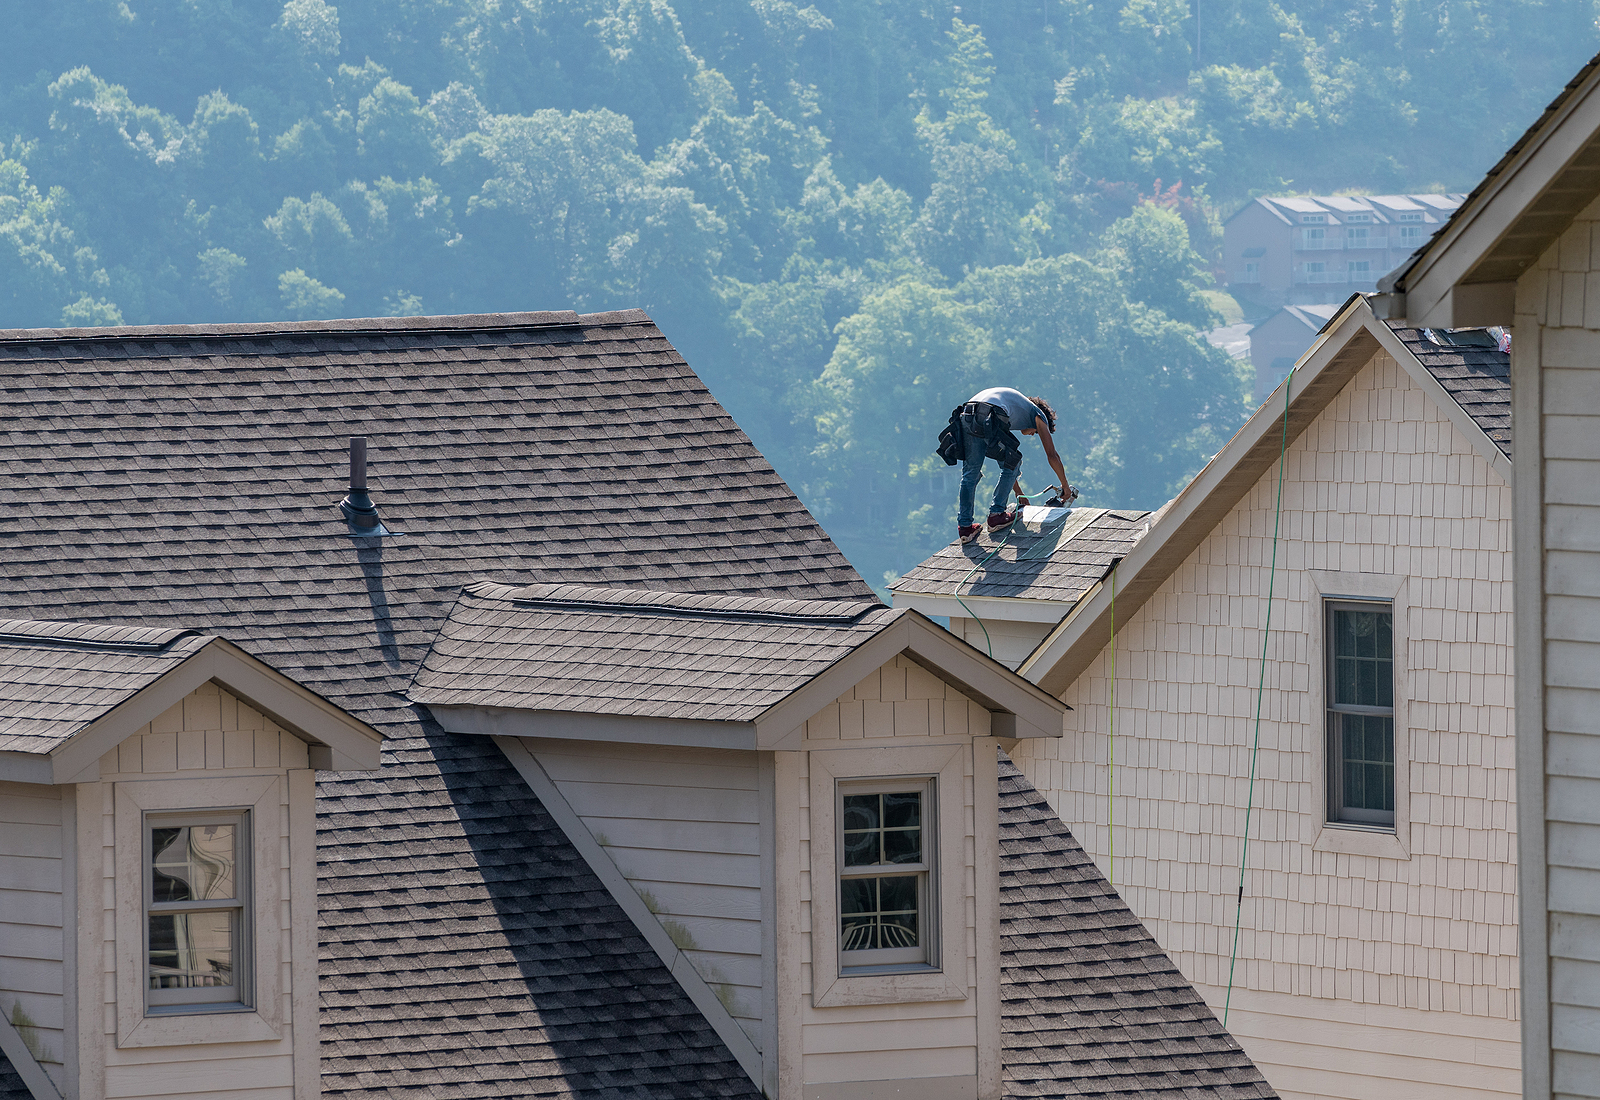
(952, 442)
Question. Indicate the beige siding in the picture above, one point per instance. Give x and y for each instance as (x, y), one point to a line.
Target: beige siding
(32, 918)
(899, 702)
(1558, 340)
(683, 826)
(1008, 642)
(209, 733)
(1380, 483)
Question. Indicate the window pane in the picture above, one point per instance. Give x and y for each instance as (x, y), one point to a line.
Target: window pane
(191, 950)
(1368, 747)
(1363, 658)
(192, 863)
(882, 828)
(877, 913)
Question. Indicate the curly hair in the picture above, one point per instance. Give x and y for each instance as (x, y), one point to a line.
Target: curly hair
(1049, 413)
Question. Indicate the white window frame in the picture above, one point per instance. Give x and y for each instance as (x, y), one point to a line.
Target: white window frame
(890, 960)
(943, 977)
(135, 801)
(240, 996)
(1336, 806)
(1333, 586)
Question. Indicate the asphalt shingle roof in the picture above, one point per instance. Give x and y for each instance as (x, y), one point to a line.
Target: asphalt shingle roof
(1478, 378)
(57, 678)
(468, 951)
(1053, 561)
(1089, 1003)
(189, 478)
(593, 650)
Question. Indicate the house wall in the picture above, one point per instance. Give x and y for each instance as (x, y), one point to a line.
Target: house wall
(32, 919)
(950, 1045)
(683, 825)
(1556, 386)
(1011, 641)
(1358, 974)
(1275, 344)
(209, 735)
(1257, 227)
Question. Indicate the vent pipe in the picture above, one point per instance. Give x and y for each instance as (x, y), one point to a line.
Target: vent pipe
(358, 510)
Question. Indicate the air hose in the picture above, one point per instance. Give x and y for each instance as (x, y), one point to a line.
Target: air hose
(1030, 554)
(1261, 685)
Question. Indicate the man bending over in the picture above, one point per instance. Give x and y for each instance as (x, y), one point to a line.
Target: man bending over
(987, 422)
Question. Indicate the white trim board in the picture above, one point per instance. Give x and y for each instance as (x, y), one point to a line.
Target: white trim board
(337, 739)
(600, 862)
(32, 1073)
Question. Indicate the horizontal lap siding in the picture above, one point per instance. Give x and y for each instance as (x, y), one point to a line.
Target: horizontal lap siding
(683, 826)
(882, 1042)
(1382, 482)
(1560, 302)
(209, 732)
(31, 918)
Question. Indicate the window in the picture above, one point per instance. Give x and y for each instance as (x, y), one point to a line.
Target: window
(1357, 236)
(196, 894)
(1360, 701)
(1357, 219)
(1361, 271)
(1252, 273)
(1413, 216)
(886, 862)
(1411, 235)
(1313, 219)
(1314, 238)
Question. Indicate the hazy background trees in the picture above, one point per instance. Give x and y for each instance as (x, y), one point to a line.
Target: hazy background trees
(848, 214)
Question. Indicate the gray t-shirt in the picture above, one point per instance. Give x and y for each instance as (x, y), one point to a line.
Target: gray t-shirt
(1021, 411)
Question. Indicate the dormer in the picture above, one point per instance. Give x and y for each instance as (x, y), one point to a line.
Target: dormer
(801, 797)
(156, 795)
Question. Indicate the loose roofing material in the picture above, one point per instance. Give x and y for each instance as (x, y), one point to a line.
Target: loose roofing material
(590, 650)
(189, 477)
(56, 678)
(1478, 378)
(1058, 562)
(1089, 1003)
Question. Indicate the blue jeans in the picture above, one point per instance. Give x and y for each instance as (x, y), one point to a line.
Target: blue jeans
(972, 473)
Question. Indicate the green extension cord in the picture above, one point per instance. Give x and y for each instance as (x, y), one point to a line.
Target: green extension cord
(1261, 685)
(1030, 554)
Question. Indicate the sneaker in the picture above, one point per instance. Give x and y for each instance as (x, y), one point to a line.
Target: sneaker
(969, 534)
(999, 521)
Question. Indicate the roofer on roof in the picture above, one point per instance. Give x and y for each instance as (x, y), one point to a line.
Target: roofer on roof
(982, 428)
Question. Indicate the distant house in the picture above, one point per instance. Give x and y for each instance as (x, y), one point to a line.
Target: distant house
(656, 813)
(1377, 951)
(1281, 339)
(1522, 251)
(1320, 250)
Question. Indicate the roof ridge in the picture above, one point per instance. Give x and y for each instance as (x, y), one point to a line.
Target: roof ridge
(580, 597)
(92, 636)
(347, 326)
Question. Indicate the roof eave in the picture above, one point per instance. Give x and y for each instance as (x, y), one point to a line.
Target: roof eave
(1466, 275)
(338, 740)
(1010, 608)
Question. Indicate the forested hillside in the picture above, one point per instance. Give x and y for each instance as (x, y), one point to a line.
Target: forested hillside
(849, 215)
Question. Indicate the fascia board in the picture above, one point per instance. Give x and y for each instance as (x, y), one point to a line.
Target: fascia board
(26, 767)
(1472, 233)
(986, 607)
(622, 728)
(1321, 373)
(976, 675)
(354, 745)
(1430, 385)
